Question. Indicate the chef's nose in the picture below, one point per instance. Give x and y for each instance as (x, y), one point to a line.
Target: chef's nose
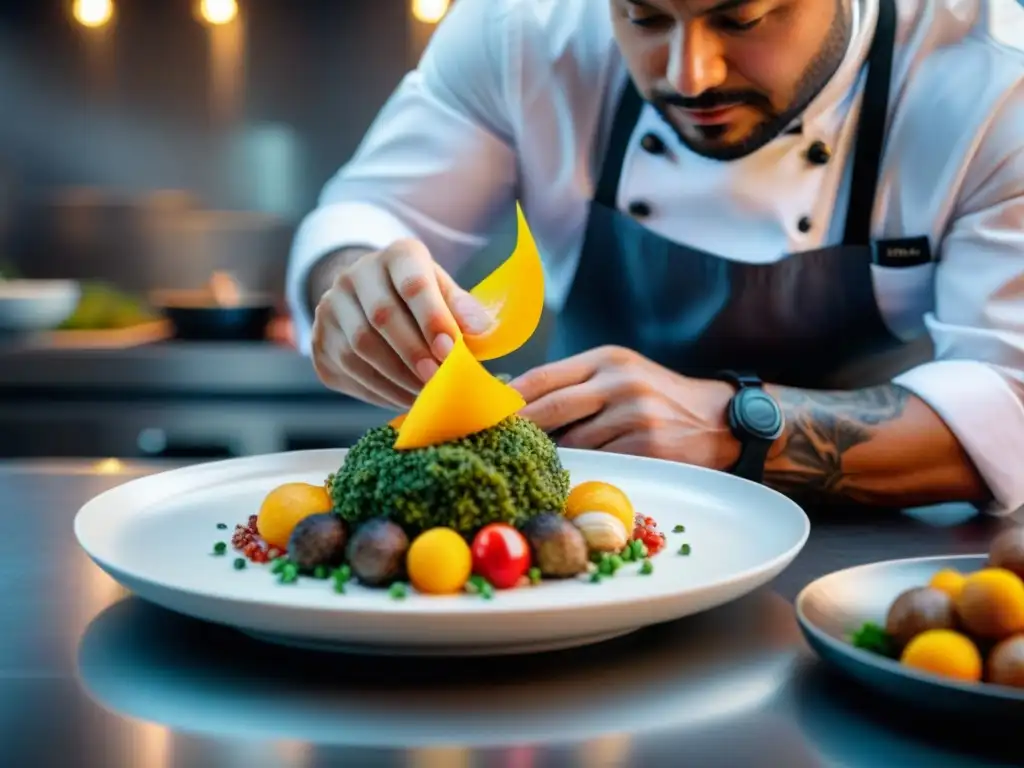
(697, 62)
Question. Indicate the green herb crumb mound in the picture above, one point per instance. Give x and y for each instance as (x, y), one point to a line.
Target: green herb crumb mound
(508, 473)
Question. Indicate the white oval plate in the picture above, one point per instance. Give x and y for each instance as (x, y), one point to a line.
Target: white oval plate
(155, 536)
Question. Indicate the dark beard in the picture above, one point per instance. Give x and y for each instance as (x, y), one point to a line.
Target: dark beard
(813, 80)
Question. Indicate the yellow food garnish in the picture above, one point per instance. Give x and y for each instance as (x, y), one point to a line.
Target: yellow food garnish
(285, 506)
(991, 604)
(463, 397)
(949, 581)
(596, 496)
(439, 562)
(944, 652)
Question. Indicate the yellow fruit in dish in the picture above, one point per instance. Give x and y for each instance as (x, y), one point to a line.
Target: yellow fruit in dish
(462, 398)
(944, 652)
(949, 581)
(439, 562)
(991, 604)
(596, 496)
(285, 506)
(513, 294)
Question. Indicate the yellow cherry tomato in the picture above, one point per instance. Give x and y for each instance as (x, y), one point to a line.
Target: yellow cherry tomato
(944, 652)
(285, 506)
(439, 562)
(949, 581)
(596, 496)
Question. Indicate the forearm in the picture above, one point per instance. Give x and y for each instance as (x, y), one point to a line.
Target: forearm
(880, 446)
(323, 274)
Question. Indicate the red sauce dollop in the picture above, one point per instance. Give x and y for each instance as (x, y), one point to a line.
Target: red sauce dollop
(247, 540)
(646, 530)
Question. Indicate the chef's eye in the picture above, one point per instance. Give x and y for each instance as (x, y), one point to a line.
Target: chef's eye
(737, 25)
(648, 19)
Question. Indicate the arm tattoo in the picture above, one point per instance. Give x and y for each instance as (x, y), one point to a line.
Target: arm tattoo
(820, 428)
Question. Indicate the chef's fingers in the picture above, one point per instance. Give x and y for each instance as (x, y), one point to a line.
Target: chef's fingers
(351, 365)
(385, 313)
(551, 377)
(594, 434)
(559, 409)
(329, 371)
(414, 278)
(471, 316)
(368, 349)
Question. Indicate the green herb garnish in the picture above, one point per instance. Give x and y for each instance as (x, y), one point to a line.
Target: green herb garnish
(535, 575)
(222, 526)
(397, 591)
(873, 638)
(684, 550)
(595, 577)
(320, 572)
(239, 563)
(679, 529)
(647, 567)
(278, 565)
(289, 574)
(220, 548)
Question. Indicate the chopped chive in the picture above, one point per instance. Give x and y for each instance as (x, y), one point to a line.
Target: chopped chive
(684, 550)
(222, 526)
(647, 567)
(239, 563)
(320, 572)
(289, 574)
(535, 575)
(679, 529)
(616, 562)
(595, 577)
(279, 565)
(220, 548)
(397, 591)
(339, 587)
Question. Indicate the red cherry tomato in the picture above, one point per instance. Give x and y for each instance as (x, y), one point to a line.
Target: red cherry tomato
(501, 555)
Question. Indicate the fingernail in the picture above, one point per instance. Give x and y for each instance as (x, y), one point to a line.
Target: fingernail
(443, 345)
(426, 368)
(473, 316)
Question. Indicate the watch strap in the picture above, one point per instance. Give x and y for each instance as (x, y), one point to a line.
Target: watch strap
(755, 439)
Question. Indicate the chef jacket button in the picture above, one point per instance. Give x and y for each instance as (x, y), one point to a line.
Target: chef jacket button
(651, 142)
(819, 153)
(804, 225)
(640, 209)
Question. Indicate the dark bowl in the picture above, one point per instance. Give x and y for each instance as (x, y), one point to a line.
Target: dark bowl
(246, 323)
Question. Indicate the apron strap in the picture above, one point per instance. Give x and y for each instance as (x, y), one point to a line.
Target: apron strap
(867, 158)
(627, 114)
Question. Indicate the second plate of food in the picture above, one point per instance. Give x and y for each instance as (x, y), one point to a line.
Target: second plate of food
(940, 633)
(200, 541)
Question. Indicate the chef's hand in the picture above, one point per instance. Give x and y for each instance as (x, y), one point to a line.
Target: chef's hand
(390, 318)
(614, 399)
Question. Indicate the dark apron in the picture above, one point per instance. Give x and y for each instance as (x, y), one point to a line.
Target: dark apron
(792, 322)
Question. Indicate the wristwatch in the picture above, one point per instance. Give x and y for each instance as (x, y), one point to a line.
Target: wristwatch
(755, 419)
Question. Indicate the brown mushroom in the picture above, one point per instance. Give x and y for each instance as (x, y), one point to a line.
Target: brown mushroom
(918, 610)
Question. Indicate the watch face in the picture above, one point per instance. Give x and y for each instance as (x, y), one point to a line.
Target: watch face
(758, 413)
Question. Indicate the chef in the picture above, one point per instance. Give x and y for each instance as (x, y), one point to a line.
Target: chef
(736, 200)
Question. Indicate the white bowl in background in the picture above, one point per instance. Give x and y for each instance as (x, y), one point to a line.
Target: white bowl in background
(37, 305)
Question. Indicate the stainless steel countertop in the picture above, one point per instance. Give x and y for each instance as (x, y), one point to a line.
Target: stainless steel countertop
(92, 676)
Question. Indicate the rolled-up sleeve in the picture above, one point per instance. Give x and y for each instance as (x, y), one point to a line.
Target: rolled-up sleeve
(976, 382)
(437, 164)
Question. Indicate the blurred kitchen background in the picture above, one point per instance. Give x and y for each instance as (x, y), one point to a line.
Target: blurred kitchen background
(159, 154)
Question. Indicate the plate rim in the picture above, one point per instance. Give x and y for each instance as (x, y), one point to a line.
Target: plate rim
(405, 610)
(985, 690)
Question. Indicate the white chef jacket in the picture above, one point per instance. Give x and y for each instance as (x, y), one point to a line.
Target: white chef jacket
(514, 99)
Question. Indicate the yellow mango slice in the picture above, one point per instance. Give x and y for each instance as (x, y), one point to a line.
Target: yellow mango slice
(461, 399)
(513, 294)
